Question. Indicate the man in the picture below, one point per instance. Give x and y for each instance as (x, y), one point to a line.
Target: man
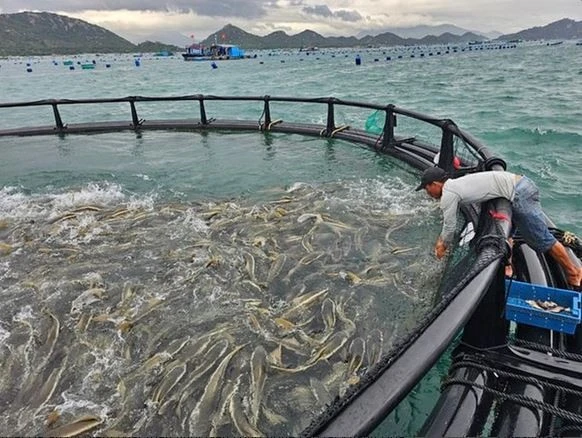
(483, 186)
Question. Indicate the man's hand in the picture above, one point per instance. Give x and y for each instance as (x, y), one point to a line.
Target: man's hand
(440, 248)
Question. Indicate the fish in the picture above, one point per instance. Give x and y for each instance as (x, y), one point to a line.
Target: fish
(77, 427)
(328, 313)
(250, 266)
(307, 216)
(239, 418)
(258, 378)
(331, 346)
(549, 306)
(51, 382)
(90, 296)
(394, 228)
(169, 381)
(210, 359)
(276, 267)
(375, 340)
(304, 261)
(200, 420)
(304, 301)
(86, 208)
(356, 352)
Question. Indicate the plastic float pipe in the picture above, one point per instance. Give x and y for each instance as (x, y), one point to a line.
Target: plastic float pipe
(461, 410)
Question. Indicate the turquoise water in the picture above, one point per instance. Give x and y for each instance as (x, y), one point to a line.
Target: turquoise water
(524, 103)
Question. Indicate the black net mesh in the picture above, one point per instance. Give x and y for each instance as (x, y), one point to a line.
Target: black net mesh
(466, 153)
(476, 246)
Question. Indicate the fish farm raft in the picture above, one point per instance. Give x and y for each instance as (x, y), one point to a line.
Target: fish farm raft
(338, 376)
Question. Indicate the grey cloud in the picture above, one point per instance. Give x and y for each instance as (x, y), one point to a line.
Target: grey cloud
(211, 8)
(346, 15)
(324, 11)
(320, 10)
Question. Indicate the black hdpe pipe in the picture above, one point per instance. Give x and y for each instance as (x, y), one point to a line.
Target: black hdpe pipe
(461, 410)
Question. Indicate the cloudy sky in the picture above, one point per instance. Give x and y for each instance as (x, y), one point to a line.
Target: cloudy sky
(179, 21)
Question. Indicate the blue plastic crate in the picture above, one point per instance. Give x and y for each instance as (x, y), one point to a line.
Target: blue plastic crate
(519, 311)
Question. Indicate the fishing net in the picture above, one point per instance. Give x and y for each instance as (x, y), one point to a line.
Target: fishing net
(375, 122)
(477, 244)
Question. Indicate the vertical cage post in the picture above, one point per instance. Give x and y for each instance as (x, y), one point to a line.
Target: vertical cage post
(330, 117)
(447, 146)
(58, 120)
(134, 117)
(267, 112)
(203, 118)
(389, 125)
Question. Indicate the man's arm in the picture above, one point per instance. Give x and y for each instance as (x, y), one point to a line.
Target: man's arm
(450, 207)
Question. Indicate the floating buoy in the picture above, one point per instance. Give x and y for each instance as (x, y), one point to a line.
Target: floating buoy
(358, 60)
(107, 65)
(388, 58)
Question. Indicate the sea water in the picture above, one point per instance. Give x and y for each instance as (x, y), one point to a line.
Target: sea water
(522, 102)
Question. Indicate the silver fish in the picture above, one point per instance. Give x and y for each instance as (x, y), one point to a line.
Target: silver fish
(210, 359)
(374, 350)
(356, 352)
(77, 427)
(200, 420)
(174, 374)
(328, 314)
(239, 419)
(276, 267)
(258, 378)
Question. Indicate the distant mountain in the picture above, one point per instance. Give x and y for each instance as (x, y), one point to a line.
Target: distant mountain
(564, 29)
(43, 33)
(230, 34)
(424, 30)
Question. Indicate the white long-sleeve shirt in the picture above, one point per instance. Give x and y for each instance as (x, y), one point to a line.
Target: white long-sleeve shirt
(474, 187)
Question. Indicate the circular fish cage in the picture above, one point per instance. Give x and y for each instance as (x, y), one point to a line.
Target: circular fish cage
(307, 364)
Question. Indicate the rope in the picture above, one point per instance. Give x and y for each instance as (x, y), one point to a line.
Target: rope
(261, 119)
(519, 399)
(521, 377)
(568, 239)
(273, 123)
(339, 129)
(546, 349)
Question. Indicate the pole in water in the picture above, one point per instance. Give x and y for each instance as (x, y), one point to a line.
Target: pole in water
(358, 60)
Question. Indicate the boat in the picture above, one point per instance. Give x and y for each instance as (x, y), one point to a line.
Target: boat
(514, 371)
(214, 52)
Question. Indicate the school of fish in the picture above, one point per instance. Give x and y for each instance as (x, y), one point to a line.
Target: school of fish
(209, 318)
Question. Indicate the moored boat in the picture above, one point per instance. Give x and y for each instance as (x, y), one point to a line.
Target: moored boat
(215, 52)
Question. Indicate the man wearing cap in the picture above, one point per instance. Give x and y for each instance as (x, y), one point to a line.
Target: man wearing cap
(483, 186)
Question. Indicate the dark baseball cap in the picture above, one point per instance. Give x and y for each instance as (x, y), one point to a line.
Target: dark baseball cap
(430, 175)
